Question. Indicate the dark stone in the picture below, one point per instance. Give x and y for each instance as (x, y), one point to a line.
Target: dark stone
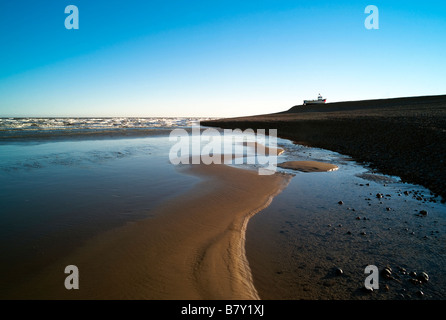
(423, 277)
(386, 273)
(420, 293)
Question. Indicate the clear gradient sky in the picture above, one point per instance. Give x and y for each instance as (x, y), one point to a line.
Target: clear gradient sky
(214, 57)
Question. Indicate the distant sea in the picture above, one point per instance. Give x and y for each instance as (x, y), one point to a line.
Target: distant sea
(16, 128)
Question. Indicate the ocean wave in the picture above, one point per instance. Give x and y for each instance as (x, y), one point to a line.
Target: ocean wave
(94, 123)
(50, 127)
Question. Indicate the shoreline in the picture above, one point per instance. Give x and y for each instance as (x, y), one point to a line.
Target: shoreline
(405, 137)
(182, 253)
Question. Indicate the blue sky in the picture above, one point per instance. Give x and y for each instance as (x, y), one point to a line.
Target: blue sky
(213, 58)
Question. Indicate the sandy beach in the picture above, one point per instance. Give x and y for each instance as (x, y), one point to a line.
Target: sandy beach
(139, 227)
(308, 166)
(193, 249)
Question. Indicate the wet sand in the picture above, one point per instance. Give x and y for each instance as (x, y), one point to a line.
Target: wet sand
(308, 246)
(261, 149)
(308, 166)
(193, 248)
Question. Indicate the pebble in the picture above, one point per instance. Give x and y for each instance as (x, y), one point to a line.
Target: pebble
(379, 195)
(423, 212)
(388, 209)
(423, 277)
(339, 272)
(386, 273)
(340, 202)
